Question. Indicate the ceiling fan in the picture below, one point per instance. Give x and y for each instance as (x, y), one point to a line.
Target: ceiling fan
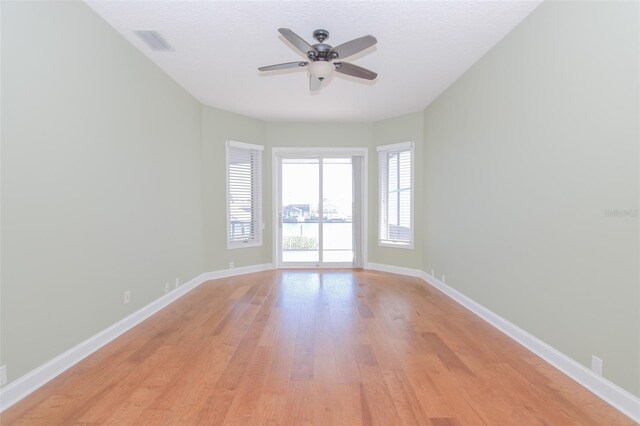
(322, 57)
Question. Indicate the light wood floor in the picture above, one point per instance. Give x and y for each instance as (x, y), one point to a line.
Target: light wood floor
(299, 347)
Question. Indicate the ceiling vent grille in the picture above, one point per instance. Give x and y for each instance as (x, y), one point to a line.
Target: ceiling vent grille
(154, 40)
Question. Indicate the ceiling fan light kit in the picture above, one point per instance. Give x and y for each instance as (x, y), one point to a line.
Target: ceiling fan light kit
(321, 69)
(322, 56)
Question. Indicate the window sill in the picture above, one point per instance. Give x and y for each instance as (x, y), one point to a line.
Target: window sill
(408, 246)
(231, 246)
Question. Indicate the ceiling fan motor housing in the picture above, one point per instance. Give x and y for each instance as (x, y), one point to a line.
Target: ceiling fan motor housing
(321, 35)
(322, 51)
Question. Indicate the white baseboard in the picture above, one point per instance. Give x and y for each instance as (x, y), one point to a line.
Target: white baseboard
(394, 269)
(609, 392)
(236, 271)
(23, 386)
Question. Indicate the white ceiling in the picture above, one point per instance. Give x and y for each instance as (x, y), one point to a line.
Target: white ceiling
(423, 47)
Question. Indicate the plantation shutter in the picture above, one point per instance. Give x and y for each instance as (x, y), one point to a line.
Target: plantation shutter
(244, 194)
(395, 172)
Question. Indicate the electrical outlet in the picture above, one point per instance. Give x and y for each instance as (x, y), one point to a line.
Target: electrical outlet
(231, 265)
(444, 278)
(433, 272)
(127, 297)
(177, 282)
(166, 288)
(3, 375)
(596, 365)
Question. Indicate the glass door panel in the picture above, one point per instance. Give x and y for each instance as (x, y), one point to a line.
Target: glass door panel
(337, 207)
(300, 214)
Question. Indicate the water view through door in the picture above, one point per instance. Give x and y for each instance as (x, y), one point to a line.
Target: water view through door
(317, 211)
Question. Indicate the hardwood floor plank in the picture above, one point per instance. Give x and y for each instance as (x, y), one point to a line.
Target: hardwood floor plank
(408, 407)
(300, 403)
(347, 370)
(446, 355)
(335, 347)
(376, 394)
(303, 358)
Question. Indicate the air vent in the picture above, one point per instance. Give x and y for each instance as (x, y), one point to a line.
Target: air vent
(154, 40)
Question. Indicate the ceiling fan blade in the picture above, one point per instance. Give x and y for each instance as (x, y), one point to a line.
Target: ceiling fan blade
(355, 71)
(314, 83)
(354, 46)
(283, 66)
(296, 40)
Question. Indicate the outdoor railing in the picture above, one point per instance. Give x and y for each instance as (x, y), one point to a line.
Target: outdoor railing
(299, 243)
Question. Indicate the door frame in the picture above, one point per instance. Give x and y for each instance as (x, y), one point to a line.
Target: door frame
(276, 176)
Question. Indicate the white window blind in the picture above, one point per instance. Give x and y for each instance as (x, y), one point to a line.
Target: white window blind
(244, 194)
(395, 171)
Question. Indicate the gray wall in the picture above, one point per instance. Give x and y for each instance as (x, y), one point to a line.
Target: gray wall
(100, 180)
(406, 128)
(219, 126)
(523, 156)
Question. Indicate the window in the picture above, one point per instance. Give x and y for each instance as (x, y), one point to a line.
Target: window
(244, 195)
(395, 170)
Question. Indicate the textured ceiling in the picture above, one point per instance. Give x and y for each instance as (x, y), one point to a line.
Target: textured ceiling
(423, 47)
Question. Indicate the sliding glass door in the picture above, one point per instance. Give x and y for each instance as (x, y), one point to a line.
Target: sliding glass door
(300, 221)
(318, 217)
(337, 207)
